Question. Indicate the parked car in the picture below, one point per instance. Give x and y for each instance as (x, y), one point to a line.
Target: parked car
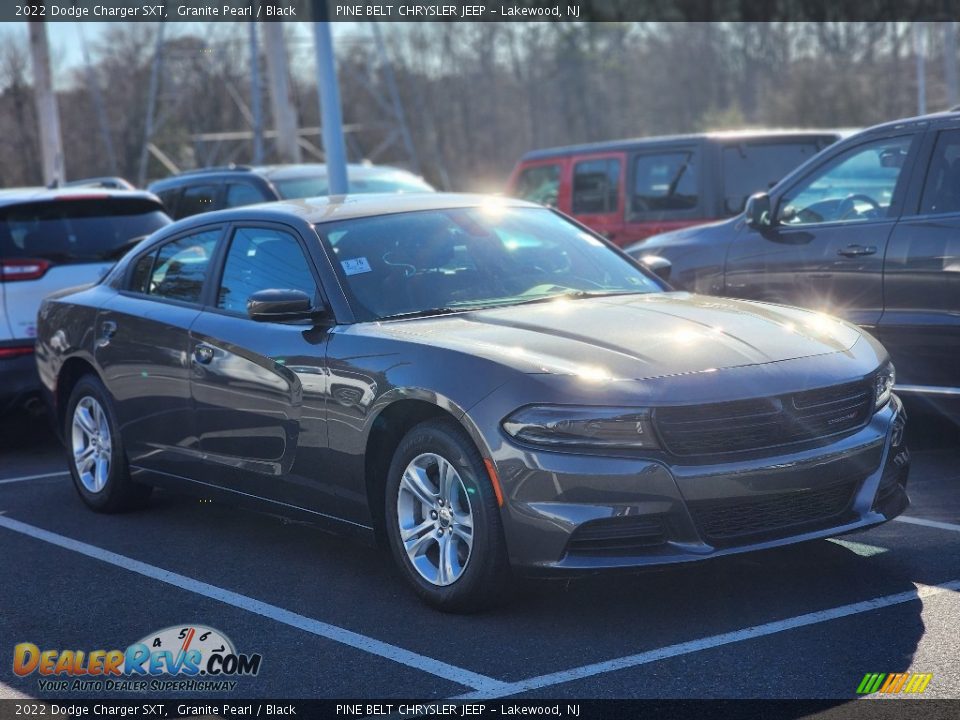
(481, 381)
(50, 240)
(198, 191)
(869, 230)
(628, 190)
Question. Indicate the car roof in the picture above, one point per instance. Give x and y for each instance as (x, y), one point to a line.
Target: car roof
(720, 136)
(274, 172)
(334, 208)
(937, 118)
(17, 196)
(354, 170)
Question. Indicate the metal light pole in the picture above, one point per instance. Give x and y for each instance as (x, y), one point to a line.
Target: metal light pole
(950, 62)
(284, 115)
(48, 115)
(331, 119)
(919, 48)
(256, 101)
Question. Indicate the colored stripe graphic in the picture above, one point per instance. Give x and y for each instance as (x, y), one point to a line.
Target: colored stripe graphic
(918, 683)
(893, 683)
(870, 683)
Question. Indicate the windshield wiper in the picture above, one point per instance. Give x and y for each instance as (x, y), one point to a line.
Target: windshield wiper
(467, 307)
(427, 313)
(578, 294)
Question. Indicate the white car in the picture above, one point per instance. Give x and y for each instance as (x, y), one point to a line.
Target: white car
(51, 240)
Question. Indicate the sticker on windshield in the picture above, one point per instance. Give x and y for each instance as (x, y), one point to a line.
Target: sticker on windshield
(356, 266)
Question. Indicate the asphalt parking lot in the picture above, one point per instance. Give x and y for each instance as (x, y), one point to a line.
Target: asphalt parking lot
(332, 619)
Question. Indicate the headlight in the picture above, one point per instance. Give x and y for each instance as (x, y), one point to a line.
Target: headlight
(571, 426)
(883, 385)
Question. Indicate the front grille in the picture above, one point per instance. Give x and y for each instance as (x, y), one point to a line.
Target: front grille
(617, 536)
(759, 424)
(733, 520)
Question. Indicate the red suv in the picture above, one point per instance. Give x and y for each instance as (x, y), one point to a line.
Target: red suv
(629, 190)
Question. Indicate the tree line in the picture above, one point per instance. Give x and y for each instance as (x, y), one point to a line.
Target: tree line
(475, 97)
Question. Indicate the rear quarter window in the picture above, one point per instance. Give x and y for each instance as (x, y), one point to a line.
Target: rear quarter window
(77, 231)
(751, 167)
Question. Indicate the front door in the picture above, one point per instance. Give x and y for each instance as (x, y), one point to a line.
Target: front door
(825, 248)
(259, 387)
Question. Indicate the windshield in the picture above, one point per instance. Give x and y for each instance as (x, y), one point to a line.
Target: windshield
(76, 231)
(316, 185)
(446, 260)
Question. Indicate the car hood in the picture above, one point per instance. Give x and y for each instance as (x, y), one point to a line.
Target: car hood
(632, 337)
(652, 244)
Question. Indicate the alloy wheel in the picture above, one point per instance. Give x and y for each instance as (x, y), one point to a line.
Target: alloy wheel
(435, 519)
(92, 444)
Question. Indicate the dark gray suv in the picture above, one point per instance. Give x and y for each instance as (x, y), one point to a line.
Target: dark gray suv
(869, 230)
(481, 381)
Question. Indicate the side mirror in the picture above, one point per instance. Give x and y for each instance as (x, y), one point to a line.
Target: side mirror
(758, 211)
(659, 266)
(281, 306)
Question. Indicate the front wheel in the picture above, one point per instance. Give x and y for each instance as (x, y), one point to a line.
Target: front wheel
(443, 520)
(97, 460)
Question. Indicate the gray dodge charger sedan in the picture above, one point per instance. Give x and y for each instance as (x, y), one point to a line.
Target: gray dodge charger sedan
(481, 383)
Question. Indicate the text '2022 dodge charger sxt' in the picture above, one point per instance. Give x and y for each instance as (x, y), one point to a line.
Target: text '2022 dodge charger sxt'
(483, 383)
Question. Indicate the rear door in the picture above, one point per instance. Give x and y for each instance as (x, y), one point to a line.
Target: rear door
(920, 325)
(54, 244)
(259, 387)
(143, 345)
(665, 190)
(596, 197)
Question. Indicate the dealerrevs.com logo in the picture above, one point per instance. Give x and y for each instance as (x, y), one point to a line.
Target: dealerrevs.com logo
(178, 658)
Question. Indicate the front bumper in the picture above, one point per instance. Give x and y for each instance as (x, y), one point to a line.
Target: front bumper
(566, 512)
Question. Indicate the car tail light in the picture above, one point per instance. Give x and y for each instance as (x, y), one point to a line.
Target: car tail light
(23, 269)
(15, 351)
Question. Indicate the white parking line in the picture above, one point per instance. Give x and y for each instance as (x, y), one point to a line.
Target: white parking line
(422, 663)
(34, 477)
(928, 523)
(693, 646)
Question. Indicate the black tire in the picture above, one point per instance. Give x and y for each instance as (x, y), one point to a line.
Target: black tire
(485, 577)
(119, 493)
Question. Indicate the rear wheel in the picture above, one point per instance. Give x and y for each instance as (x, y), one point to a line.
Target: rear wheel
(443, 520)
(97, 460)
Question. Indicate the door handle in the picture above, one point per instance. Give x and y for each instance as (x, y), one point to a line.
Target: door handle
(857, 250)
(203, 354)
(108, 329)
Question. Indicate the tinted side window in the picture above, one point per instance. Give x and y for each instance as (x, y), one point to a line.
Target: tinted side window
(941, 191)
(182, 265)
(596, 186)
(196, 199)
(539, 184)
(262, 259)
(752, 167)
(169, 199)
(242, 194)
(665, 181)
(142, 271)
(856, 186)
(77, 231)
